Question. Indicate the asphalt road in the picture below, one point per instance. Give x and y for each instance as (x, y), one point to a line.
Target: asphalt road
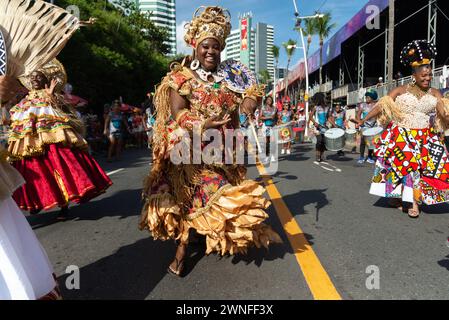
(348, 229)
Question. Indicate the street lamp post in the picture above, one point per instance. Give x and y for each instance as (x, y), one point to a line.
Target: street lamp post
(306, 67)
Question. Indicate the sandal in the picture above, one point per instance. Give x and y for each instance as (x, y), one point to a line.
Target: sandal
(179, 267)
(413, 213)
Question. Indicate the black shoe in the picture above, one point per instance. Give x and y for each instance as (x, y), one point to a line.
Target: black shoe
(34, 211)
(63, 214)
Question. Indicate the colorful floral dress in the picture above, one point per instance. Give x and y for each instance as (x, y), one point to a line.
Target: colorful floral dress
(214, 199)
(413, 163)
(51, 156)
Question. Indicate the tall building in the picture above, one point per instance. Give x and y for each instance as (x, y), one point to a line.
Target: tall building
(163, 15)
(264, 44)
(251, 46)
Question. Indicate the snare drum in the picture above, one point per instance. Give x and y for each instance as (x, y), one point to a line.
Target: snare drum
(371, 135)
(284, 133)
(350, 138)
(334, 139)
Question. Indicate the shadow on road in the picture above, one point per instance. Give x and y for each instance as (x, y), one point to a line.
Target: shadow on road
(335, 157)
(130, 273)
(444, 263)
(435, 209)
(124, 204)
(298, 201)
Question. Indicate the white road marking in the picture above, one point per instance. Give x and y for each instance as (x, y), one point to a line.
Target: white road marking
(114, 172)
(327, 166)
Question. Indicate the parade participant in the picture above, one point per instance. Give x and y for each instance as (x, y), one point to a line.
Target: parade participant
(412, 164)
(149, 120)
(300, 120)
(319, 115)
(47, 147)
(25, 271)
(268, 117)
(363, 110)
(338, 120)
(114, 128)
(137, 126)
(285, 117)
(214, 200)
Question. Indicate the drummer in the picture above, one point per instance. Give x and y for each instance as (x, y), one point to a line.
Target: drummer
(362, 111)
(338, 120)
(285, 117)
(319, 115)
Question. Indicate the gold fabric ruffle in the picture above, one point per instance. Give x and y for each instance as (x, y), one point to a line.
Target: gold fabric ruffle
(232, 221)
(161, 215)
(34, 145)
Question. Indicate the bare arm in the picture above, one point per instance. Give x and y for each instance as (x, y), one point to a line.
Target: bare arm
(441, 108)
(106, 125)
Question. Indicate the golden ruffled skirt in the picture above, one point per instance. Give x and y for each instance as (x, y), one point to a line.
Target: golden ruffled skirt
(232, 219)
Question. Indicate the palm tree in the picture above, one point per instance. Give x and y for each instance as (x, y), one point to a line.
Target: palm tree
(390, 41)
(290, 48)
(275, 51)
(323, 29)
(264, 76)
(310, 30)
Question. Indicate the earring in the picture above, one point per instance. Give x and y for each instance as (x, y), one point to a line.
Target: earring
(413, 81)
(195, 64)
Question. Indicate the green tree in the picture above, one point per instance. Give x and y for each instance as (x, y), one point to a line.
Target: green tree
(323, 28)
(264, 76)
(122, 54)
(290, 48)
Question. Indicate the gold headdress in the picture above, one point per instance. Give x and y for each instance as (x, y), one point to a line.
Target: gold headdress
(52, 70)
(213, 22)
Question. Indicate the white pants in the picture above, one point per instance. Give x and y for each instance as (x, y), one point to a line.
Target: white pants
(25, 271)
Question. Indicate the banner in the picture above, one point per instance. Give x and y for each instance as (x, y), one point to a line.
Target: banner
(244, 35)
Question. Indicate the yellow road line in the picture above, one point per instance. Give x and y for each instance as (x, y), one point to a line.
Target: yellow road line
(316, 277)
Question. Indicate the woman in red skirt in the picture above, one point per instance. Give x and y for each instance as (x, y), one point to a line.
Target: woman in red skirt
(47, 147)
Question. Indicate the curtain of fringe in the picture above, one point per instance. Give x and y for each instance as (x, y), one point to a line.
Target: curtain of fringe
(35, 32)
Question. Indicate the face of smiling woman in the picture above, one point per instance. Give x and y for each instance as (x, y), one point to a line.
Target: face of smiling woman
(423, 76)
(208, 54)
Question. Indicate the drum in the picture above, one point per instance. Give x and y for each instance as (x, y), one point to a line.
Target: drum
(371, 135)
(334, 139)
(350, 138)
(284, 133)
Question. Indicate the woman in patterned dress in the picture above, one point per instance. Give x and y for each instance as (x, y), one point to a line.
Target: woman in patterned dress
(413, 164)
(215, 200)
(47, 147)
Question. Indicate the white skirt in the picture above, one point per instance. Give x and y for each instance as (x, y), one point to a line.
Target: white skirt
(25, 270)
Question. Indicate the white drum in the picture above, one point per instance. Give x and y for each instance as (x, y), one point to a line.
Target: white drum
(334, 139)
(371, 135)
(350, 138)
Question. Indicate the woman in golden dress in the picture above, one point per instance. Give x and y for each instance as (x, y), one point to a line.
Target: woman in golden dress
(215, 200)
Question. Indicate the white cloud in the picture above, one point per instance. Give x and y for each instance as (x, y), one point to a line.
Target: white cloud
(182, 47)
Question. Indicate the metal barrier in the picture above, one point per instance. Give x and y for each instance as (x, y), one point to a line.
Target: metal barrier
(355, 97)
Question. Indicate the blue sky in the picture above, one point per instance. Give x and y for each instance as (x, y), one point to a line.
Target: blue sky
(279, 13)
